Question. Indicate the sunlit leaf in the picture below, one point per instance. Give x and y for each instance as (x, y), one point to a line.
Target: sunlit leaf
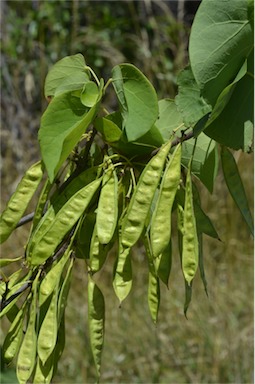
(67, 74)
(62, 125)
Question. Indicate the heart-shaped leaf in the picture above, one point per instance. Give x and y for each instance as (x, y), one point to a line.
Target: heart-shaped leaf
(137, 99)
(68, 74)
(62, 125)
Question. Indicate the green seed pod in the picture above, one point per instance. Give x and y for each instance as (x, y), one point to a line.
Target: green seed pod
(49, 329)
(20, 200)
(134, 220)
(96, 312)
(46, 242)
(107, 211)
(27, 354)
(190, 249)
(161, 220)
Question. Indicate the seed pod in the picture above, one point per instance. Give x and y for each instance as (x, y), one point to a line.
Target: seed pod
(96, 311)
(14, 336)
(122, 280)
(45, 243)
(190, 241)
(58, 200)
(134, 220)
(161, 219)
(27, 354)
(49, 329)
(20, 200)
(107, 211)
(153, 284)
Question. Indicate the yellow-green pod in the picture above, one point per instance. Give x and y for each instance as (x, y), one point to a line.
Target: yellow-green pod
(122, 280)
(96, 312)
(49, 329)
(161, 219)
(14, 336)
(20, 200)
(153, 283)
(107, 211)
(44, 372)
(190, 249)
(139, 206)
(47, 241)
(27, 353)
(52, 278)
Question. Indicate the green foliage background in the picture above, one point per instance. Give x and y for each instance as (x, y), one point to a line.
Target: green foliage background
(215, 344)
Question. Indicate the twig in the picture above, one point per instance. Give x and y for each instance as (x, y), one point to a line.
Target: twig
(26, 219)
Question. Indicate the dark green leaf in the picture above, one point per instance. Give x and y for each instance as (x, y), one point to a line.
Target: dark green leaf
(169, 118)
(205, 160)
(189, 101)
(235, 186)
(221, 39)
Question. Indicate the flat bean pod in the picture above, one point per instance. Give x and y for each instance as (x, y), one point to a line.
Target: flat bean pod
(58, 200)
(44, 372)
(163, 264)
(107, 211)
(20, 200)
(189, 241)
(153, 284)
(60, 345)
(134, 220)
(27, 353)
(122, 280)
(98, 252)
(161, 218)
(14, 337)
(49, 329)
(63, 295)
(96, 312)
(52, 278)
(46, 243)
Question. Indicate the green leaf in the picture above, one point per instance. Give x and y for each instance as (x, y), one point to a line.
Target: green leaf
(220, 40)
(231, 123)
(137, 98)
(189, 101)
(109, 130)
(67, 74)
(205, 160)
(89, 94)
(169, 118)
(62, 125)
(235, 186)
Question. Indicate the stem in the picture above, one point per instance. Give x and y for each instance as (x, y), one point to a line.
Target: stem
(93, 74)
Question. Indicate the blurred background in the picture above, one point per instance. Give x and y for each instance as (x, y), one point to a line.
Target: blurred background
(215, 344)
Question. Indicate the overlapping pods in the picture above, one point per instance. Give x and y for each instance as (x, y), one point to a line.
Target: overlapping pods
(133, 222)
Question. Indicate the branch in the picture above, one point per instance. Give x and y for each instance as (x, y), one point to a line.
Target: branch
(26, 219)
(176, 141)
